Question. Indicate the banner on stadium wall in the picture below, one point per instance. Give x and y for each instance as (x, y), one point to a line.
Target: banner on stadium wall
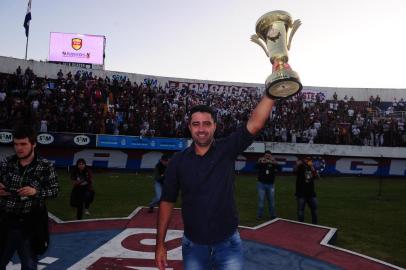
(55, 139)
(311, 95)
(135, 142)
(202, 87)
(138, 159)
(6, 137)
(67, 139)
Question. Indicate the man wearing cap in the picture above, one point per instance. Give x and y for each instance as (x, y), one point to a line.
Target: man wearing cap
(204, 176)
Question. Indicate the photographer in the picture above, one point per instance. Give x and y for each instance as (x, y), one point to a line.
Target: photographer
(267, 168)
(305, 194)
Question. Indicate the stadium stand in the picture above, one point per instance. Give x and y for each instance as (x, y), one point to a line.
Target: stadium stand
(85, 103)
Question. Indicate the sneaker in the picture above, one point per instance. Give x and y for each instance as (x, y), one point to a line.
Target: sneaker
(87, 212)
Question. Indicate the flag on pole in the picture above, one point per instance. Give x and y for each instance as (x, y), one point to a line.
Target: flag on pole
(27, 19)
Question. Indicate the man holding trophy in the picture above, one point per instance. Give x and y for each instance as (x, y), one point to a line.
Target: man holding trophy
(203, 174)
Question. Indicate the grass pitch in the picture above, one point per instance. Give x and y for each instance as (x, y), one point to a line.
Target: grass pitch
(370, 216)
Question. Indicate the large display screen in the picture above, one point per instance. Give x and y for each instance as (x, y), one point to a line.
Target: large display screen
(76, 48)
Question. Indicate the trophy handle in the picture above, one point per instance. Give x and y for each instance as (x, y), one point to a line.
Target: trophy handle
(295, 26)
(255, 39)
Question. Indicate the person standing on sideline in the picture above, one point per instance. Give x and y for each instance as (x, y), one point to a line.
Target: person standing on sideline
(82, 194)
(267, 168)
(204, 174)
(159, 172)
(26, 180)
(305, 193)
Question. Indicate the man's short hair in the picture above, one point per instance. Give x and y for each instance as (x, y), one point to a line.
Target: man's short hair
(165, 157)
(22, 132)
(203, 109)
(267, 152)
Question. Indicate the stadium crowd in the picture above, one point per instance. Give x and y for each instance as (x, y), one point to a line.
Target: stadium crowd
(85, 103)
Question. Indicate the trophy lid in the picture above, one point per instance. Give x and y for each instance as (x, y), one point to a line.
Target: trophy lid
(265, 21)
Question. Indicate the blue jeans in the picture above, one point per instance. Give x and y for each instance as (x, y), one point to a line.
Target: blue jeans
(266, 191)
(158, 192)
(226, 255)
(15, 241)
(312, 203)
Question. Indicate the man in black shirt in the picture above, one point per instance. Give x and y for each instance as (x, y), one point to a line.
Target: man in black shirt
(267, 168)
(204, 173)
(305, 194)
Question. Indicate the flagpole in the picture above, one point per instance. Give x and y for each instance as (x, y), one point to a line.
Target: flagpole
(26, 47)
(26, 25)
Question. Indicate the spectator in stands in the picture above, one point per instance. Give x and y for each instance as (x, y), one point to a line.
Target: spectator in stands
(267, 168)
(60, 74)
(82, 194)
(85, 103)
(3, 96)
(305, 192)
(401, 105)
(159, 177)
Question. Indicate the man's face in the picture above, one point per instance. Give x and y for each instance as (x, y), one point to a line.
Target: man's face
(81, 166)
(165, 162)
(202, 128)
(23, 148)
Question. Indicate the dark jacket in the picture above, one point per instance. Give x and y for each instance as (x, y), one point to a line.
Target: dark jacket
(267, 172)
(159, 172)
(30, 213)
(305, 175)
(84, 192)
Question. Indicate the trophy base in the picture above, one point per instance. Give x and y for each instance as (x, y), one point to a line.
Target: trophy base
(283, 88)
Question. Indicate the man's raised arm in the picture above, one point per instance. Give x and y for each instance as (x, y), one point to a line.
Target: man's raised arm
(260, 114)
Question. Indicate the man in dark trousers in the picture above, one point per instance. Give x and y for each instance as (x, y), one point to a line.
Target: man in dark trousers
(267, 168)
(204, 175)
(26, 180)
(159, 176)
(305, 193)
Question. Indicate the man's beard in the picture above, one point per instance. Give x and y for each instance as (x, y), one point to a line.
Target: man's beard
(28, 155)
(203, 143)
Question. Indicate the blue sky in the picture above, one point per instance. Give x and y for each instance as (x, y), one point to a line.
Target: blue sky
(343, 43)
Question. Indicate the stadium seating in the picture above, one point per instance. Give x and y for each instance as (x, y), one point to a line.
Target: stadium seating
(88, 104)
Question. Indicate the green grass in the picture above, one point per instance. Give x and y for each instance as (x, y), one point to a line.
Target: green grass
(367, 223)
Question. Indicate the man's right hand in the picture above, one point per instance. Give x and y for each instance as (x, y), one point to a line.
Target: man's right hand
(160, 257)
(3, 191)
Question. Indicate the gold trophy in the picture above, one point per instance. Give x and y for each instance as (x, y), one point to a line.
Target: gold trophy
(272, 35)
